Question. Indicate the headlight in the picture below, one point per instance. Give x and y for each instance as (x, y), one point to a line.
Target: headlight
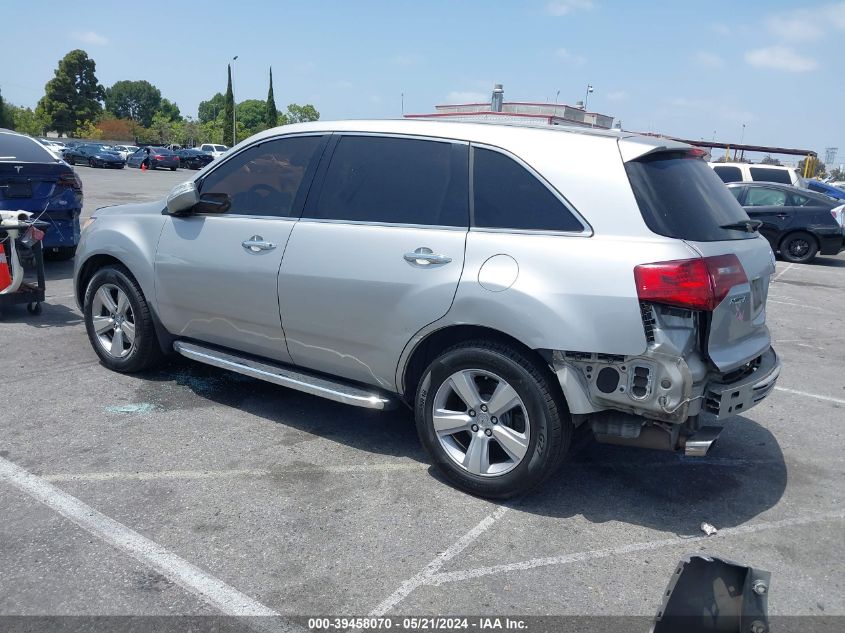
(88, 222)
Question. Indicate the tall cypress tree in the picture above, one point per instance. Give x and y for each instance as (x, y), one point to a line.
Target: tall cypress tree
(271, 117)
(228, 112)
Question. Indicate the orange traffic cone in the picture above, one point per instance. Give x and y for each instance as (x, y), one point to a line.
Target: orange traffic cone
(5, 274)
(143, 166)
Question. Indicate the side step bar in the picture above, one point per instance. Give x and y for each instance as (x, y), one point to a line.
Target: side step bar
(294, 379)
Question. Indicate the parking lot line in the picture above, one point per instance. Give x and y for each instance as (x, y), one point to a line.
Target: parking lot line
(435, 565)
(213, 591)
(781, 273)
(807, 394)
(577, 557)
(235, 472)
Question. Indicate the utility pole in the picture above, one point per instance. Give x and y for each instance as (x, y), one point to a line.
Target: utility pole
(234, 106)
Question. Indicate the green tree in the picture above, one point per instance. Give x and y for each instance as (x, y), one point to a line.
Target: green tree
(837, 174)
(169, 110)
(161, 128)
(211, 109)
(6, 119)
(87, 130)
(301, 113)
(136, 100)
(251, 113)
(228, 110)
(768, 160)
(271, 114)
(73, 94)
(26, 121)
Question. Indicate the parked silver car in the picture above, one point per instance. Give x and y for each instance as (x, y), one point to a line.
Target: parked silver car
(509, 284)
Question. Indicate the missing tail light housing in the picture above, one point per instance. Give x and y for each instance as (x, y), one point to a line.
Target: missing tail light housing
(838, 214)
(698, 284)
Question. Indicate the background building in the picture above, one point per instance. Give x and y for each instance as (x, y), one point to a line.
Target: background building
(524, 113)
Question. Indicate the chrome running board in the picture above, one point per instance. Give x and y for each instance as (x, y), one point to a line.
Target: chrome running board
(697, 445)
(293, 379)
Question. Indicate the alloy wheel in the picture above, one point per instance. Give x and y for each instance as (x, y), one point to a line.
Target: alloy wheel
(799, 248)
(113, 321)
(481, 422)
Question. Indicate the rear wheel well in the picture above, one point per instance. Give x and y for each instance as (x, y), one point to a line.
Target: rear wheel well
(441, 340)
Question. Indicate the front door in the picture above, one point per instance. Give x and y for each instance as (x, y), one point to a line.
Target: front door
(377, 256)
(772, 207)
(217, 273)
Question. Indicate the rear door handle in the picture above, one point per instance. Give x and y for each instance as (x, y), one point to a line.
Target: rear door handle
(426, 257)
(256, 244)
(783, 216)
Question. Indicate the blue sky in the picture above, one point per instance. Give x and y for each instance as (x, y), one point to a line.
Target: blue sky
(683, 68)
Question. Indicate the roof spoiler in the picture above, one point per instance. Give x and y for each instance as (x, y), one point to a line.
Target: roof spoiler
(634, 147)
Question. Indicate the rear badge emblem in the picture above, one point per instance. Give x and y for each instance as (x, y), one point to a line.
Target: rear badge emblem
(738, 304)
(18, 168)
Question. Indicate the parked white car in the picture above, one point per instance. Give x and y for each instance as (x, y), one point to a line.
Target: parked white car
(746, 172)
(125, 151)
(215, 150)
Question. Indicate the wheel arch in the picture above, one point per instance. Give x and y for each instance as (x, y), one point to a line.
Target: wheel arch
(435, 342)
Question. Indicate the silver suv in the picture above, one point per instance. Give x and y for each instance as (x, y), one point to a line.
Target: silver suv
(508, 284)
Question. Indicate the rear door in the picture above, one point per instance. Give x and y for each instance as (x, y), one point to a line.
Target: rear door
(217, 273)
(681, 197)
(377, 255)
(772, 207)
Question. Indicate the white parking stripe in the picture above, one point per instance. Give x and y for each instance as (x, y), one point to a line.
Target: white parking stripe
(213, 591)
(781, 273)
(577, 557)
(807, 394)
(435, 565)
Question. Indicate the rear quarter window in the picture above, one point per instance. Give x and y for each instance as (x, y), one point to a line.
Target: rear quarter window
(729, 174)
(767, 174)
(680, 196)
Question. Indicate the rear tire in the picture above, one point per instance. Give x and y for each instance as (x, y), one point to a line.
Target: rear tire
(172, 169)
(511, 441)
(799, 248)
(92, 162)
(119, 322)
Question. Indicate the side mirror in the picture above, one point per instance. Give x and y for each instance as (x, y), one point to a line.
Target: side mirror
(182, 198)
(213, 203)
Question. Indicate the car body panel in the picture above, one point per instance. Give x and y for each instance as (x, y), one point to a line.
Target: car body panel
(211, 288)
(350, 301)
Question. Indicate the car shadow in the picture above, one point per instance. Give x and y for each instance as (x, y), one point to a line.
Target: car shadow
(830, 262)
(52, 315)
(743, 475)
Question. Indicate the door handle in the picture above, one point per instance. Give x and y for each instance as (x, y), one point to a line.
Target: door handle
(426, 257)
(783, 216)
(256, 244)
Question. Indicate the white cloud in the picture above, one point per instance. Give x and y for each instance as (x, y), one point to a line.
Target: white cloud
(796, 26)
(570, 58)
(708, 60)
(89, 37)
(617, 95)
(780, 58)
(457, 96)
(565, 7)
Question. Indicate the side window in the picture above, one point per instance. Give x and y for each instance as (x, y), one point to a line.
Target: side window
(397, 181)
(729, 173)
(767, 174)
(265, 178)
(508, 196)
(765, 197)
(800, 201)
(736, 192)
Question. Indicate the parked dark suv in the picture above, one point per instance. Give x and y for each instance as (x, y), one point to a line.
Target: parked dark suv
(798, 223)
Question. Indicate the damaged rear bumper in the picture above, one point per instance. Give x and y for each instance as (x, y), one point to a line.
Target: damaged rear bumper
(725, 399)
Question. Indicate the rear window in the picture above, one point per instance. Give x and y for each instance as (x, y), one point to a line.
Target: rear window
(681, 197)
(729, 174)
(767, 174)
(14, 147)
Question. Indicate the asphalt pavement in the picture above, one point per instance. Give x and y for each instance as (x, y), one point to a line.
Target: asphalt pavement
(190, 490)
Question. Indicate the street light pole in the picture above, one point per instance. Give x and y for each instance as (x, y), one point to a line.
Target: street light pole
(587, 96)
(234, 106)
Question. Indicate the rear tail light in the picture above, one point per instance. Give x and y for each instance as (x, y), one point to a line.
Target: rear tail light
(70, 181)
(697, 284)
(839, 215)
(159, 157)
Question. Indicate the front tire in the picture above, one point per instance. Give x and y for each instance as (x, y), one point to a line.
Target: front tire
(491, 419)
(799, 248)
(92, 162)
(119, 322)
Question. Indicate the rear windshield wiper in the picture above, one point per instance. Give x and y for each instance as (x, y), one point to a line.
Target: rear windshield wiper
(749, 226)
